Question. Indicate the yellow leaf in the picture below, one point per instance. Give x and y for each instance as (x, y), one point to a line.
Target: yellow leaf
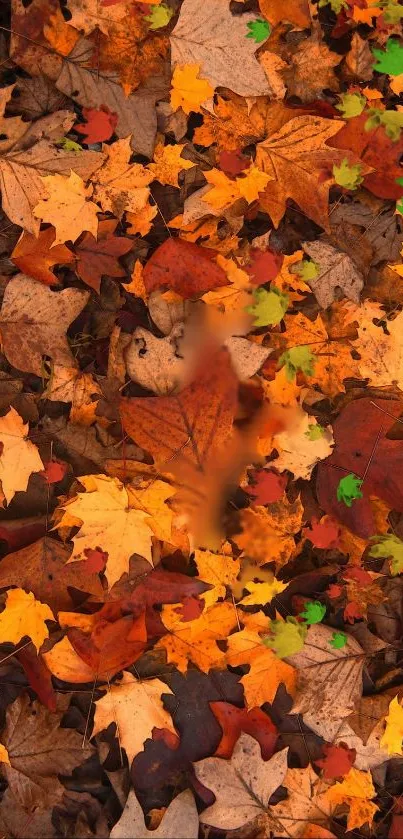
(68, 207)
(64, 663)
(24, 615)
(4, 758)
(393, 735)
(19, 458)
(122, 186)
(280, 391)
(253, 182)
(140, 222)
(196, 641)
(136, 285)
(219, 571)
(356, 789)
(262, 593)
(266, 672)
(150, 497)
(136, 708)
(224, 192)
(188, 91)
(168, 163)
(268, 531)
(109, 522)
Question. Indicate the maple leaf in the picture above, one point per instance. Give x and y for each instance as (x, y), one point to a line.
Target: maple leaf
(245, 778)
(40, 755)
(294, 156)
(376, 150)
(268, 531)
(349, 489)
(108, 520)
(19, 458)
(349, 177)
(188, 91)
(314, 612)
(386, 348)
(337, 761)
(67, 206)
(96, 258)
(234, 721)
(267, 487)
(225, 56)
(393, 734)
(389, 60)
(224, 191)
(23, 615)
(34, 256)
(219, 571)
(184, 267)
(34, 320)
(252, 183)
(286, 637)
(324, 533)
(297, 358)
(266, 671)
(300, 449)
(136, 708)
(196, 641)
(180, 817)
(100, 125)
(298, 75)
(121, 186)
(355, 790)
(262, 593)
(159, 16)
(306, 802)
(168, 163)
(269, 306)
(390, 547)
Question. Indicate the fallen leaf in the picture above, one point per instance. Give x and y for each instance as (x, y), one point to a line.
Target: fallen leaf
(189, 90)
(67, 205)
(168, 163)
(266, 672)
(181, 818)
(23, 615)
(19, 458)
(184, 268)
(337, 761)
(355, 790)
(99, 127)
(95, 258)
(267, 487)
(34, 256)
(269, 531)
(335, 271)
(197, 641)
(121, 186)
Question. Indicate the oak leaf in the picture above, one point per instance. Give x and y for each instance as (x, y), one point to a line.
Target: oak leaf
(196, 641)
(34, 320)
(19, 458)
(107, 520)
(34, 256)
(245, 779)
(136, 708)
(23, 615)
(294, 157)
(225, 55)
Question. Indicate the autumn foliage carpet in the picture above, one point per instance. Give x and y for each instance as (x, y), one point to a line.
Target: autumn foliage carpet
(201, 419)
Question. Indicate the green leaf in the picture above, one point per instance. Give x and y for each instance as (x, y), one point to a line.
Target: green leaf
(259, 30)
(315, 432)
(399, 207)
(69, 145)
(308, 270)
(338, 640)
(391, 120)
(297, 358)
(392, 12)
(348, 176)
(159, 16)
(336, 6)
(286, 637)
(389, 60)
(349, 489)
(389, 547)
(269, 306)
(314, 612)
(351, 105)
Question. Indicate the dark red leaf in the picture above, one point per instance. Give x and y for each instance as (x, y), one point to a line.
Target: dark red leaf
(268, 486)
(337, 761)
(234, 721)
(264, 265)
(183, 267)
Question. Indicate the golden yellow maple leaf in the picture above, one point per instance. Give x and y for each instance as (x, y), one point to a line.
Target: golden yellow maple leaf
(196, 640)
(150, 497)
(268, 532)
(168, 163)
(23, 615)
(188, 91)
(19, 458)
(381, 353)
(68, 207)
(224, 191)
(266, 672)
(121, 186)
(4, 758)
(262, 593)
(136, 285)
(393, 735)
(355, 790)
(219, 570)
(141, 222)
(280, 391)
(252, 183)
(109, 522)
(136, 708)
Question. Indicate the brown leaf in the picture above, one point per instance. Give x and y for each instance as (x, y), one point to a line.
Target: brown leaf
(95, 258)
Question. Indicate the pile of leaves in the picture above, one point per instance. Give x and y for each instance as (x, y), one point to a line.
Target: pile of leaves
(201, 419)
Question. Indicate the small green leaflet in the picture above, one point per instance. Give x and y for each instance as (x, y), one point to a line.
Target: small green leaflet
(259, 30)
(308, 270)
(269, 306)
(297, 358)
(315, 432)
(389, 60)
(349, 489)
(391, 120)
(69, 145)
(314, 612)
(351, 105)
(338, 640)
(348, 176)
(159, 16)
(389, 547)
(286, 637)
